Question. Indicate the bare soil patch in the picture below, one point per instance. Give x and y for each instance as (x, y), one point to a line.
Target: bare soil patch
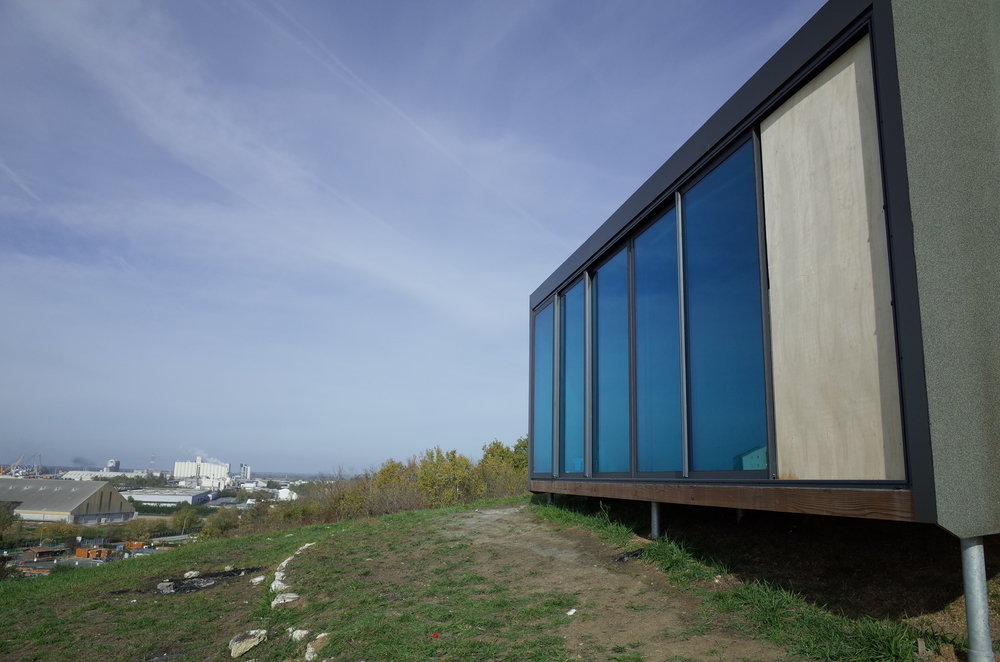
(624, 606)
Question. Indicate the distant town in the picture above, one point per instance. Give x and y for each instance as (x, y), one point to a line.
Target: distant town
(45, 497)
(41, 495)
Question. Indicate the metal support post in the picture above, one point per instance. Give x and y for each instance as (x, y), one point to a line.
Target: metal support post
(654, 520)
(977, 606)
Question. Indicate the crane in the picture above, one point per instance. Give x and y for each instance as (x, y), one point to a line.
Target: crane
(13, 467)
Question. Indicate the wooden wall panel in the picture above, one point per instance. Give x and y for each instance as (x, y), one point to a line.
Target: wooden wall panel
(836, 394)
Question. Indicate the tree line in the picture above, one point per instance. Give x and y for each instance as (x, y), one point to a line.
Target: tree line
(436, 478)
(433, 479)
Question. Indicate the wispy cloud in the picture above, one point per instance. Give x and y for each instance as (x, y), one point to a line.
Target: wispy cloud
(14, 177)
(316, 49)
(288, 209)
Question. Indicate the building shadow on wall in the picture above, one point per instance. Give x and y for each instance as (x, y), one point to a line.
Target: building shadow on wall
(855, 567)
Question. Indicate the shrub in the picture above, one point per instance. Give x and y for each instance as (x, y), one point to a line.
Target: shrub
(445, 478)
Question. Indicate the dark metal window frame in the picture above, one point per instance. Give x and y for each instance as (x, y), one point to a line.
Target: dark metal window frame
(834, 28)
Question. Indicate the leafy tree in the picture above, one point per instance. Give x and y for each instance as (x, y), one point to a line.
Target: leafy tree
(242, 495)
(273, 485)
(8, 517)
(8, 572)
(446, 478)
(256, 518)
(222, 521)
(504, 470)
(394, 488)
(56, 530)
(141, 529)
(185, 518)
(521, 453)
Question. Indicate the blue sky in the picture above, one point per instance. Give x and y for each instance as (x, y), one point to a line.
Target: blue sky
(302, 235)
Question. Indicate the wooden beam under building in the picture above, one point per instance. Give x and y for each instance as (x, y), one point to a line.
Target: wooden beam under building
(884, 504)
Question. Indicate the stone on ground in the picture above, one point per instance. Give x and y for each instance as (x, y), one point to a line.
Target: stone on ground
(317, 644)
(282, 598)
(244, 641)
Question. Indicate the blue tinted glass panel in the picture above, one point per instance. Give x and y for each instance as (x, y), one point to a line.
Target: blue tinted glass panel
(724, 331)
(657, 348)
(571, 410)
(611, 378)
(541, 430)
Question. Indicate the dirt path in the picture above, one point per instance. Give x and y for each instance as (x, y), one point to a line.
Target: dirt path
(626, 608)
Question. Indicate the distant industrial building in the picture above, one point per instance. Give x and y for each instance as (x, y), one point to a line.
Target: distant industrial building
(103, 474)
(199, 469)
(169, 496)
(83, 502)
(113, 465)
(244, 471)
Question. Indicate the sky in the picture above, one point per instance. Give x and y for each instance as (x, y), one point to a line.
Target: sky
(301, 235)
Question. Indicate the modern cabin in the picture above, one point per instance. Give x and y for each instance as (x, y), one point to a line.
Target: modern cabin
(800, 310)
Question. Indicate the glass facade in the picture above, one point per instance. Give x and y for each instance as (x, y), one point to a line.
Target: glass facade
(662, 344)
(657, 348)
(725, 343)
(611, 366)
(542, 382)
(571, 380)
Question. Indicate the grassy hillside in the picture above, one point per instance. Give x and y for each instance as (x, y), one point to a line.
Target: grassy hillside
(457, 584)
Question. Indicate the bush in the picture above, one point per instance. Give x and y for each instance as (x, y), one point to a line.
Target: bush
(445, 478)
(433, 479)
(504, 471)
(221, 522)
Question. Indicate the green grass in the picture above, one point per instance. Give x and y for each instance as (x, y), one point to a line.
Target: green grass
(376, 603)
(787, 619)
(766, 611)
(383, 587)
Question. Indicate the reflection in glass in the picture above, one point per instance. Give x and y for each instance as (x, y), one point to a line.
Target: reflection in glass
(657, 347)
(725, 341)
(611, 378)
(541, 432)
(572, 374)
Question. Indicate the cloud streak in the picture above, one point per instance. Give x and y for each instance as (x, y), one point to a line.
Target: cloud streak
(303, 234)
(14, 177)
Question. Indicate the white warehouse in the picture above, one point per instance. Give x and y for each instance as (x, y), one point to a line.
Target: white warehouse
(199, 469)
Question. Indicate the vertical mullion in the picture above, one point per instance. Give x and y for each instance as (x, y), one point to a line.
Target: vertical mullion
(557, 369)
(588, 375)
(682, 338)
(765, 307)
(633, 420)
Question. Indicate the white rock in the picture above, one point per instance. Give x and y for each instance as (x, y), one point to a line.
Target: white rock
(312, 650)
(191, 574)
(279, 575)
(244, 641)
(297, 635)
(279, 586)
(256, 581)
(229, 568)
(281, 566)
(282, 598)
(304, 547)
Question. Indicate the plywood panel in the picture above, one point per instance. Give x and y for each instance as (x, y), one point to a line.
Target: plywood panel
(836, 393)
(884, 504)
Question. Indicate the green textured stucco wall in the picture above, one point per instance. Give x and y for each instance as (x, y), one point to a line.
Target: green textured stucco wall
(948, 59)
